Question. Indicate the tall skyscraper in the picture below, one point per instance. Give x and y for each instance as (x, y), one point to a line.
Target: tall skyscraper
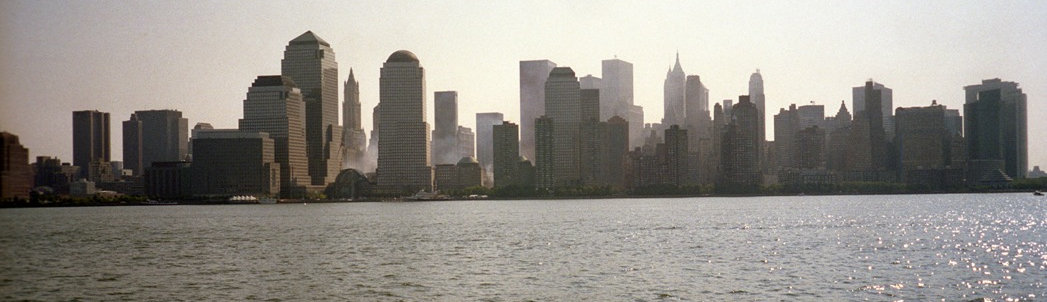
(90, 138)
(274, 105)
(445, 134)
(739, 158)
(404, 162)
(868, 143)
(675, 92)
(310, 62)
(506, 153)
(758, 99)
(16, 178)
(698, 120)
(354, 138)
(532, 100)
(563, 107)
(616, 94)
(485, 142)
(886, 106)
(153, 136)
(996, 126)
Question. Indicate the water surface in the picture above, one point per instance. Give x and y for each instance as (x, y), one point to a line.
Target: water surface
(895, 247)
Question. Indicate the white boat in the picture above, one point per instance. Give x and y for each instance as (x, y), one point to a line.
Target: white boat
(422, 195)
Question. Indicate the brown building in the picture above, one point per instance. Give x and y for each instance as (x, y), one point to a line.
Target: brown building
(16, 178)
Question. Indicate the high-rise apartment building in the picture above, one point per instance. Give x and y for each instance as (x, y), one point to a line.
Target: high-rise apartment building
(532, 100)
(445, 133)
(404, 162)
(354, 138)
(90, 138)
(675, 93)
(506, 153)
(154, 136)
(310, 62)
(996, 127)
(274, 105)
(563, 107)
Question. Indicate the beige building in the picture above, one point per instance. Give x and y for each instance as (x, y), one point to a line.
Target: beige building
(404, 162)
(310, 62)
(274, 106)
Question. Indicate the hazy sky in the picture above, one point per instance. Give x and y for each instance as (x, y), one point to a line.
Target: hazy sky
(200, 57)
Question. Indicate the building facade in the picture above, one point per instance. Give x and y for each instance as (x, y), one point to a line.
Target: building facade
(154, 135)
(16, 178)
(445, 132)
(274, 105)
(354, 138)
(310, 62)
(996, 126)
(485, 121)
(563, 107)
(404, 162)
(506, 153)
(90, 138)
(675, 95)
(230, 162)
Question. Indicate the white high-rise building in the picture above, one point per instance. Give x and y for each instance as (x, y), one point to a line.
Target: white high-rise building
(404, 164)
(757, 97)
(445, 132)
(616, 97)
(675, 95)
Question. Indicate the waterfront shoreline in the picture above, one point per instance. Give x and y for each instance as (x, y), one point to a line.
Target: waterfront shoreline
(87, 203)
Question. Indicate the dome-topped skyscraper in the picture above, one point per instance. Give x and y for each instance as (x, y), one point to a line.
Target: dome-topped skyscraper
(404, 162)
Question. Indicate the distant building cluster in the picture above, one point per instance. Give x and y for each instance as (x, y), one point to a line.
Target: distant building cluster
(573, 132)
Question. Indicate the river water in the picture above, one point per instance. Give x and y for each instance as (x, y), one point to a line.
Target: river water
(879, 248)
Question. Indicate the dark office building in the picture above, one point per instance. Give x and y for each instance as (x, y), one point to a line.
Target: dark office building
(154, 135)
(996, 127)
(16, 178)
(740, 149)
(90, 138)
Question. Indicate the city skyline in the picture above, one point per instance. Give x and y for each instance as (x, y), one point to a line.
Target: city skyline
(137, 56)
